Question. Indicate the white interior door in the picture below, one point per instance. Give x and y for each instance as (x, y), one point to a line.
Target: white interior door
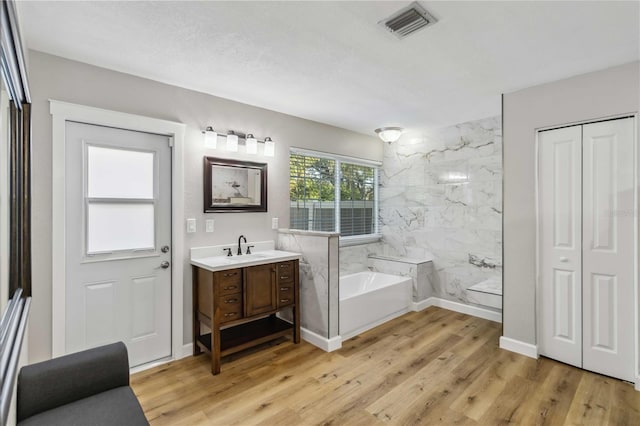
(587, 231)
(560, 248)
(608, 248)
(118, 234)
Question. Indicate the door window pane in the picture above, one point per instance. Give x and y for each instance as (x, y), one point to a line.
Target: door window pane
(119, 173)
(119, 226)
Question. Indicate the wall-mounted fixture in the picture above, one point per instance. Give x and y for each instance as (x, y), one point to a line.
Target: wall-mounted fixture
(389, 134)
(210, 138)
(236, 138)
(232, 141)
(269, 147)
(252, 144)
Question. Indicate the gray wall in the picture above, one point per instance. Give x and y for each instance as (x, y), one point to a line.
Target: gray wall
(60, 79)
(585, 97)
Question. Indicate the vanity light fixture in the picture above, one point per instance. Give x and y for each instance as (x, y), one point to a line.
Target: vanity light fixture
(269, 147)
(210, 138)
(389, 134)
(232, 141)
(252, 144)
(236, 138)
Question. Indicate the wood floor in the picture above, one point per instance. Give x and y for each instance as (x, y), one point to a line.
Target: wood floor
(429, 367)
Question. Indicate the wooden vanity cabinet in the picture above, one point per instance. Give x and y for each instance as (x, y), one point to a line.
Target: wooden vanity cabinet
(239, 307)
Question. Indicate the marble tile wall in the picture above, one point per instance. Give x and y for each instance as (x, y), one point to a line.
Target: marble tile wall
(442, 194)
(319, 278)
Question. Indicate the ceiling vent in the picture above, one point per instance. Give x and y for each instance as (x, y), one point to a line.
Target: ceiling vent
(408, 20)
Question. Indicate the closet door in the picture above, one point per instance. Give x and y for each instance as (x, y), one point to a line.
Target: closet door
(608, 248)
(560, 253)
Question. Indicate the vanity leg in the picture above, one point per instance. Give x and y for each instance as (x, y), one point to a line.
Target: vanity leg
(215, 350)
(296, 304)
(296, 324)
(196, 321)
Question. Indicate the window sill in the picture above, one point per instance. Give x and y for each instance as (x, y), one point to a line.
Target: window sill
(359, 239)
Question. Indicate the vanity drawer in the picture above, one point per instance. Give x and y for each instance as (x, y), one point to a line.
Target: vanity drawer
(229, 281)
(286, 272)
(286, 294)
(230, 307)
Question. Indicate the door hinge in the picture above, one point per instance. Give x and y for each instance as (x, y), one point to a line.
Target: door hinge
(171, 142)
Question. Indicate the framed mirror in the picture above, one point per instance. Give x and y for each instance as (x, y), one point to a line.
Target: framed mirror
(234, 186)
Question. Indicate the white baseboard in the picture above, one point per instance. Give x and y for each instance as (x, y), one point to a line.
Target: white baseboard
(475, 311)
(327, 345)
(522, 348)
(637, 386)
(422, 305)
(187, 350)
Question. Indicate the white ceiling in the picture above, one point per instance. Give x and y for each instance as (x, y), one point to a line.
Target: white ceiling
(330, 61)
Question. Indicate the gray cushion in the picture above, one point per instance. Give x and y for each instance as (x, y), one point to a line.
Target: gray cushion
(59, 381)
(117, 406)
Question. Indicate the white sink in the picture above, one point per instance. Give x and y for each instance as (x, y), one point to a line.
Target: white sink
(220, 263)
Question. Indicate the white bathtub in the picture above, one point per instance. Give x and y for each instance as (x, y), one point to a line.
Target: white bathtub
(368, 299)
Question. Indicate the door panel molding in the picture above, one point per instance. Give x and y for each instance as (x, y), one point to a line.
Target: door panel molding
(61, 113)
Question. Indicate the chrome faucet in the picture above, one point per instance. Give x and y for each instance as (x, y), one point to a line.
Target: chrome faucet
(239, 246)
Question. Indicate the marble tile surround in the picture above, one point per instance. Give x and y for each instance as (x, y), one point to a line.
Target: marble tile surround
(319, 278)
(442, 194)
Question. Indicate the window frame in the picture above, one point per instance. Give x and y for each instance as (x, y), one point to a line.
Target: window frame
(339, 159)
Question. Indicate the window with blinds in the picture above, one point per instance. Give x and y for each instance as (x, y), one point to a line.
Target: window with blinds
(333, 194)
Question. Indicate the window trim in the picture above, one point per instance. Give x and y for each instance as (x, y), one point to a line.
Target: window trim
(351, 240)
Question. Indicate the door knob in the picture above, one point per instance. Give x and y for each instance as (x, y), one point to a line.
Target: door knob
(564, 259)
(165, 249)
(164, 265)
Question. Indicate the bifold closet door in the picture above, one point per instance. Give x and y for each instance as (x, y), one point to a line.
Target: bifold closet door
(587, 234)
(560, 245)
(608, 247)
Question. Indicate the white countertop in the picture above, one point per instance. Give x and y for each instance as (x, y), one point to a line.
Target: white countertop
(202, 257)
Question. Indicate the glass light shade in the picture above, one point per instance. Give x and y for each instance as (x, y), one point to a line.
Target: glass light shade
(269, 148)
(210, 138)
(252, 144)
(389, 134)
(232, 142)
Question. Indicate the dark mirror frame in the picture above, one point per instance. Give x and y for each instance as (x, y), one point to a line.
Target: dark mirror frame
(210, 207)
(13, 69)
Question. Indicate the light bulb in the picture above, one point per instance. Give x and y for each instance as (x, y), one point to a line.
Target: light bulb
(210, 138)
(269, 147)
(252, 144)
(232, 142)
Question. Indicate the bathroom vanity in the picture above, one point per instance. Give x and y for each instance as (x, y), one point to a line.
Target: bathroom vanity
(237, 299)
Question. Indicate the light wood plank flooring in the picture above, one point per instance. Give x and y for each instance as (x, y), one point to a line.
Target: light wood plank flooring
(430, 367)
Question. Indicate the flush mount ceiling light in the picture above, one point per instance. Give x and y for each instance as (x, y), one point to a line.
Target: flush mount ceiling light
(389, 134)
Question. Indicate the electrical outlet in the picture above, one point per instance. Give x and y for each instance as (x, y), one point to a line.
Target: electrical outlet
(191, 226)
(209, 225)
(274, 223)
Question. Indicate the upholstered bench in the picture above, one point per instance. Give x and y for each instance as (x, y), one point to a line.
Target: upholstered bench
(85, 388)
